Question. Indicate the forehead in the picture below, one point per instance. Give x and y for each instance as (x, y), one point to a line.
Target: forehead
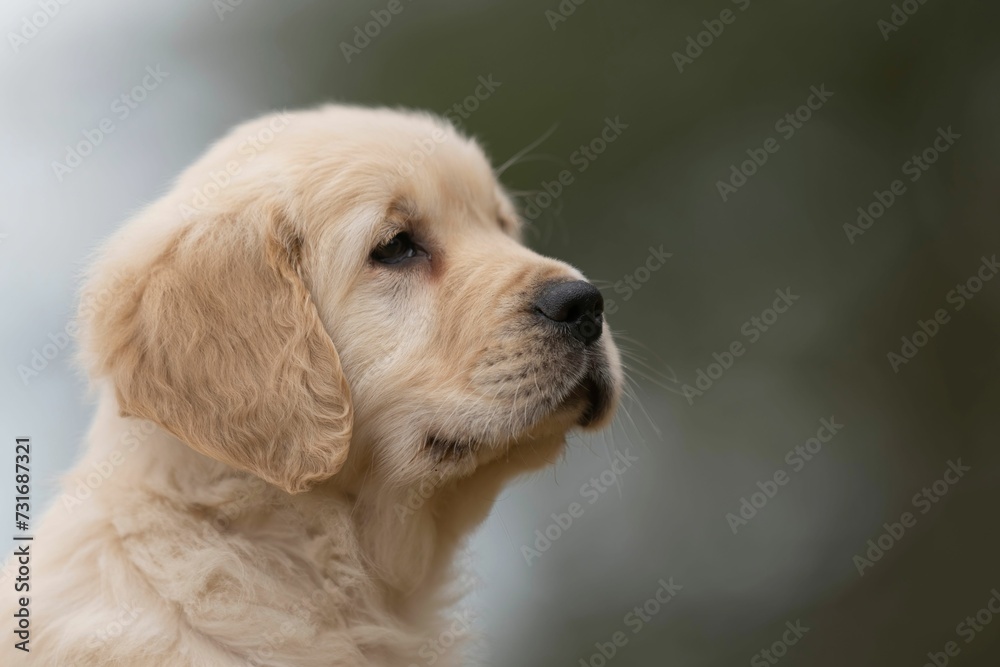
(358, 173)
(416, 161)
(454, 188)
(443, 174)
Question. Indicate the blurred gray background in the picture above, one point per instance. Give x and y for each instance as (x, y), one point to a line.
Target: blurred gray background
(655, 185)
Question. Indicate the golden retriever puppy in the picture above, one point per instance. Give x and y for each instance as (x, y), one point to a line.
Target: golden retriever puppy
(329, 316)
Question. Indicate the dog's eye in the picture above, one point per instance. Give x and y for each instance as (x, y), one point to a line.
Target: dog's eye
(398, 249)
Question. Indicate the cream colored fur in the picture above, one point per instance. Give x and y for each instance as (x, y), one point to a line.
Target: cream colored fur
(267, 396)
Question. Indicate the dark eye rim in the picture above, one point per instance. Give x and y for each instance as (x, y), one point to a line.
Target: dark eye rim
(407, 250)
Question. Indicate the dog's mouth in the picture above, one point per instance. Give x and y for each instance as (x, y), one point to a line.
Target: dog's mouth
(595, 393)
(585, 400)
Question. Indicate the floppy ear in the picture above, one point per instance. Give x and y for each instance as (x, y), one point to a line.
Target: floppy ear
(218, 341)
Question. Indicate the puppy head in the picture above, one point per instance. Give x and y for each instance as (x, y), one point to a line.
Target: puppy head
(353, 286)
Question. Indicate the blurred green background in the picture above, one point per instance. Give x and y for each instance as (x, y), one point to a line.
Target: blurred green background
(656, 185)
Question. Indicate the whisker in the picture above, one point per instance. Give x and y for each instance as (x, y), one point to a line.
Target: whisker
(527, 149)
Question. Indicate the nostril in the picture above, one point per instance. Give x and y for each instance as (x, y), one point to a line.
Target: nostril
(569, 301)
(576, 303)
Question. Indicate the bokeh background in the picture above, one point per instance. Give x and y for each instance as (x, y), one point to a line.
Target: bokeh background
(564, 69)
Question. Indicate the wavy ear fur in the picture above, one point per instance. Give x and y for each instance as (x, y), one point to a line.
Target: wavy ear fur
(217, 340)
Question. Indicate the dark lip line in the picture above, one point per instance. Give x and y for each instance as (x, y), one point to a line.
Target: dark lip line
(447, 448)
(597, 396)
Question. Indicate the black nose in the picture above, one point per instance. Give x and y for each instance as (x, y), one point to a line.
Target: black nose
(577, 304)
